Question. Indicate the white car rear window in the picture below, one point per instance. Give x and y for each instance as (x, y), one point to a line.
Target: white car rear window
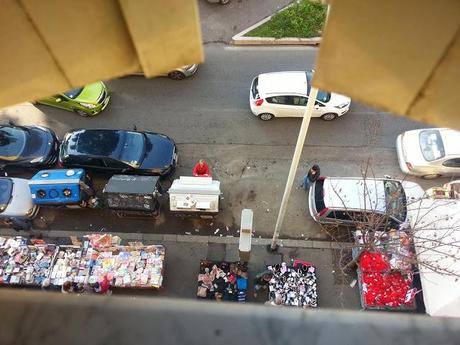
(431, 144)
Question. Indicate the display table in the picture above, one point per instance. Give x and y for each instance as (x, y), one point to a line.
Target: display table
(385, 276)
(25, 265)
(134, 266)
(223, 281)
(71, 264)
(128, 266)
(293, 285)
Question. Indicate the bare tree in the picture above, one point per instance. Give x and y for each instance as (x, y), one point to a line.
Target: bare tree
(429, 228)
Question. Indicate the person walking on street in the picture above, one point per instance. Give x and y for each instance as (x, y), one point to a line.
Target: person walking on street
(201, 169)
(312, 175)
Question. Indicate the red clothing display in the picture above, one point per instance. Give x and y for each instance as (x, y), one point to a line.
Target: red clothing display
(383, 286)
(201, 170)
(104, 286)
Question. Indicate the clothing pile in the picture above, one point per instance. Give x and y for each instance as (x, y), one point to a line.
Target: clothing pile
(382, 285)
(223, 281)
(126, 266)
(70, 265)
(22, 264)
(293, 286)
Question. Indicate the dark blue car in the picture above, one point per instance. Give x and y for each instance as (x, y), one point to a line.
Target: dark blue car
(27, 147)
(119, 151)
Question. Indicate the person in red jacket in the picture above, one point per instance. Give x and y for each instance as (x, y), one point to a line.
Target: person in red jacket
(201, 169)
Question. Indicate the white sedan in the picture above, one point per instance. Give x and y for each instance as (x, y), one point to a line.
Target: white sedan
(429, 152)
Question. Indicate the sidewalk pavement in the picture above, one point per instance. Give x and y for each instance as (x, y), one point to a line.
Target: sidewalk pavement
(183, 255)
(219, 23)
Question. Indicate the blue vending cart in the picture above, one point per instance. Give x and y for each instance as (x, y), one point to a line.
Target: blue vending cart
(61, 187)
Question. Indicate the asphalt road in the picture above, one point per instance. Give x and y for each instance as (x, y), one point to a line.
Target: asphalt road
(209, 117)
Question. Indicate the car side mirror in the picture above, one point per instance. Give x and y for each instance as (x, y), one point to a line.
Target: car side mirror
(11, 123)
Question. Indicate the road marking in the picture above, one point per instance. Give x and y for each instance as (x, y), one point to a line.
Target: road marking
(267, 48)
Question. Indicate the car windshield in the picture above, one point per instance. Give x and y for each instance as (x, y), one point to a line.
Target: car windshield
(12, 143)
(431, 144)
(132, 150)
(323, 96)
(73, 93)
(395, 199)
(6, 186)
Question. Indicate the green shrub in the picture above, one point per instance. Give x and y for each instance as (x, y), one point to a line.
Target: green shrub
(303, 19)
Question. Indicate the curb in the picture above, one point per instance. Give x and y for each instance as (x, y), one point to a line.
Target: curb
(185, 239)
(240, 39)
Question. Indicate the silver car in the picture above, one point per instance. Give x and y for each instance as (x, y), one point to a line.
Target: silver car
(429, 152)
(179, 73)
(15, 199)
(348, 200)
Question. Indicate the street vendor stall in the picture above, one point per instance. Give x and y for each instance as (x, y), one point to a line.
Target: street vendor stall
(194, 196)
(61, 187)
(131, 195)
(25, 265)
(130, 266)
(71, 264)
(223, 281)
(385, 276)
(293, 285)
(100, 257)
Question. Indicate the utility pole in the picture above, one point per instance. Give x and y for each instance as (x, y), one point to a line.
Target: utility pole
(294, 164)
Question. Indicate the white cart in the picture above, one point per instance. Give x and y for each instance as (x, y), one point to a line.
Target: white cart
(194, 196)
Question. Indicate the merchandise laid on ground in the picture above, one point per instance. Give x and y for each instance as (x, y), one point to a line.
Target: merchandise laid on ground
(136, 266)
(385, 275)
(22, 264)
(293, 285)
(72, 264)
(101, 256)
(227, 281)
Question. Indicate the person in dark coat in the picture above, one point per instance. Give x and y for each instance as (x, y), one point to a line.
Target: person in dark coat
(261, 281)
(309, 178)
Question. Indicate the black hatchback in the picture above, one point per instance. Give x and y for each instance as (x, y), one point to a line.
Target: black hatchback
(27, 147)
(119, 151)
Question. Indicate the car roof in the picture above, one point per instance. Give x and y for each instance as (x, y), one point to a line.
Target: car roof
(451, 141)
(354, 193)
(109, 137)
(292, 82)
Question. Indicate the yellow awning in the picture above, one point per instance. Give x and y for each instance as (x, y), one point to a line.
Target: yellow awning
(50, 46)
(401, 56)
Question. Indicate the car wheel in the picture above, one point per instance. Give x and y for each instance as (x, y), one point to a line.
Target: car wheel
(329, 116)
(431, 176)
(266, 116)
(176, 75)
(81, 112)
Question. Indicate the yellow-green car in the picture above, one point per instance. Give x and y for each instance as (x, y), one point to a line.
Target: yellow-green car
(89, 100)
